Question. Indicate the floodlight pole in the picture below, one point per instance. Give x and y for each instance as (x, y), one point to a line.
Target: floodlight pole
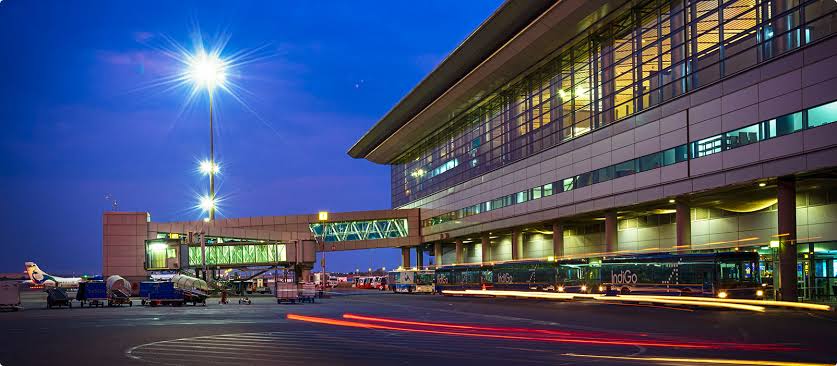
(211, 162)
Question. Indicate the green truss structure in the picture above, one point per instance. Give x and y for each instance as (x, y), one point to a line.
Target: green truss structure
(238, 254)
(360, 230)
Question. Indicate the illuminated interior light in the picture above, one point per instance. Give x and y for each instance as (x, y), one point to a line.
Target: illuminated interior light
(774, 243)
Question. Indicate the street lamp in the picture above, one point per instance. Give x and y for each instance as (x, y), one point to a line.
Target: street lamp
(208, 71)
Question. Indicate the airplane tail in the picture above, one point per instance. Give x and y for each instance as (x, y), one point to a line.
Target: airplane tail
(35, 274)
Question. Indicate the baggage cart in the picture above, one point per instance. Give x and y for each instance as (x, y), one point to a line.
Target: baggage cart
(92, 293)
(286, 292)
(119, 297)
(10, 295)
(58, 297)
(309, 291)
(164, 293)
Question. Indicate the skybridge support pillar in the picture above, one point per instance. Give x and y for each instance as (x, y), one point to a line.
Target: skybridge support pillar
(437, 253)
(786, 205)
(460, 255)
(405, 257)
(419, 257)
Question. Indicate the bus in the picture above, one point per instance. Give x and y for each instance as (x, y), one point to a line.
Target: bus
(723, 274)
(410, 281)
(464, 277)
(561, 276)
(369, 282)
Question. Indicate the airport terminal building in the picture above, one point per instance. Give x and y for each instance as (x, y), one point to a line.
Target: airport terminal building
(593, 128)
(582, 129)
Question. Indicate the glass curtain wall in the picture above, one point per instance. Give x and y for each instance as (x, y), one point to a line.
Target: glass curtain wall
(643, 56)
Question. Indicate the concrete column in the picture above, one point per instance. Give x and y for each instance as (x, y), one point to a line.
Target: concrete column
(437, 252)
(405, 257)
(419, 257)
(611, 232)
(786, 192)
(517, 244)
(460, 257)
(486, 248)
(557, 239)
(683, 225)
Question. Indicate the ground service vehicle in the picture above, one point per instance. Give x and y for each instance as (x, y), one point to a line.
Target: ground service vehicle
(563, 276)
(10, 295)
(163, 293)
(57, 296)
(724, 274)
(92, 293)
(727, 274)
(411, 280)
(465, 277)
(119, 291)
(193, 289)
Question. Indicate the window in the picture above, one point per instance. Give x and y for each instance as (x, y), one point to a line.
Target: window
(675, 155)
(625, 168)
(742, 136)
(707, 146)
(648, 162)
(822, 115)
(547, 189)
(783, 125)
(568, 184)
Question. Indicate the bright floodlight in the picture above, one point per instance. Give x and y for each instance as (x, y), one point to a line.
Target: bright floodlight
(207, 167)
(207, 70)
(207, 203)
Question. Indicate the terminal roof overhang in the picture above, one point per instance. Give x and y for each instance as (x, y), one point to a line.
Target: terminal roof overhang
(515, 38)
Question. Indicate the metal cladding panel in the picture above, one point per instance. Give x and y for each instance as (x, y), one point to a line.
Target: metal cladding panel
(309, 251)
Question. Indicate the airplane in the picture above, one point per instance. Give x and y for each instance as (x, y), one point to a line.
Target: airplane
(39, 277)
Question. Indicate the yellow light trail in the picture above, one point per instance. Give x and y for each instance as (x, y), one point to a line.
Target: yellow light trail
(703, 361)
(739, 304)
(627, 298)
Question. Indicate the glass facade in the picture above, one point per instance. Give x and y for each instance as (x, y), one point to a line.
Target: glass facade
(779, 126)
(360, 230)
(638, 58)
(238, 254)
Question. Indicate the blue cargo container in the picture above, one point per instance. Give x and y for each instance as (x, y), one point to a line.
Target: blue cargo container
(161, 293)
(92, 293)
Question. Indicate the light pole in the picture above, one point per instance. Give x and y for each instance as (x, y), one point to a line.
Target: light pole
(208, 71)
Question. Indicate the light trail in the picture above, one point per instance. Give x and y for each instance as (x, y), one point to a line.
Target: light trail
(524, 334)
(702, 361)
(641, 343)
(623, 298)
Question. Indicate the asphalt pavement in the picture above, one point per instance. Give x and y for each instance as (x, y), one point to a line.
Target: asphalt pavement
(376, 328)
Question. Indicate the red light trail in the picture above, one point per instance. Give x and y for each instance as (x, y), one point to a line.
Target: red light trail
(520, 334)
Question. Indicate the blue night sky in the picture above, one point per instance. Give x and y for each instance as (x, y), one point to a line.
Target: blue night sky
(80, 119)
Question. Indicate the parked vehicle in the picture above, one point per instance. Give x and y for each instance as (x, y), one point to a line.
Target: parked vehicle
(194, 289)
(119, 291)
(286, 292)
(410, 281)
(92, 293)
(722, 274)
(163, 293)
(57, 296)
(10, 295)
